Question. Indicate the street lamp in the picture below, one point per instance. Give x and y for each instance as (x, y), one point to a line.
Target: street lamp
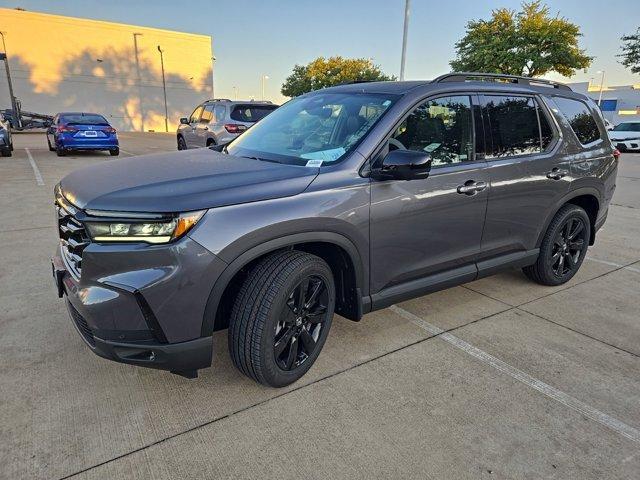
(14, 107)
(264, 77)
(601, 86)
(235, 93)
(213, 63)
(405, 33)
(138, 79)
(164, 90)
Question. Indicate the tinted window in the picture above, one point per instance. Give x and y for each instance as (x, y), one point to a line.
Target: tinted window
(627, 127)
(251, 113)
(207, 114)
(441, 127)
(580, 119)
(513, 126)
(545, 129)
(84, 118)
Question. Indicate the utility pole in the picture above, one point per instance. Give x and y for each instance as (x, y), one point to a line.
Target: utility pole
(601, 86)
(138, 80)
(407, 6)
(14, 106)
(264, 77)
(164, 89)
(213, 78)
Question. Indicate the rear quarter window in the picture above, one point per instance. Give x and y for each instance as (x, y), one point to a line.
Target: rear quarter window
(580, 118)
(251, 113)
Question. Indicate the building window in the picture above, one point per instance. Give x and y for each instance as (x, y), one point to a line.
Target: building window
(609, 105)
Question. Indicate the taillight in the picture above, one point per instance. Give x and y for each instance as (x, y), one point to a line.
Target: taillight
(616, 153)
(235, 128)
(66, 129)
(109, 130)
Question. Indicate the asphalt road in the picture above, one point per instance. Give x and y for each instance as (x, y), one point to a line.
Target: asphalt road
(499, 378)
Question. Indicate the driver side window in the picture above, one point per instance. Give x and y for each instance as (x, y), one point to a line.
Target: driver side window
(442, 127)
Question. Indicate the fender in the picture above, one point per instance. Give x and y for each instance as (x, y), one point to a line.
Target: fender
(208, 322)
(587, 190)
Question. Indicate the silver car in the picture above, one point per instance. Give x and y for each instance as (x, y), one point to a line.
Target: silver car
(6, 144)
(218, 121)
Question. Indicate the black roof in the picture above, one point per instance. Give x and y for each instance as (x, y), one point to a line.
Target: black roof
(397, 88)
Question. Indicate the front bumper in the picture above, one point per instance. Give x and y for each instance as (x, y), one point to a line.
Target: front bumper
(140, 305)
(627, 145)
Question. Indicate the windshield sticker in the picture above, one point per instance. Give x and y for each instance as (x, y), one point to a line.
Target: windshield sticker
(314, 163)
(325, 155)
(431, 147)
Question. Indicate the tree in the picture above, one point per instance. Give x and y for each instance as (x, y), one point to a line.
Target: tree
(326, 72)
(631, 52)
(529, 43)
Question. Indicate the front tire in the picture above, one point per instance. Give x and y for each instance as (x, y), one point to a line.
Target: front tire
(182, 145)
(281, 317)
(563, 247)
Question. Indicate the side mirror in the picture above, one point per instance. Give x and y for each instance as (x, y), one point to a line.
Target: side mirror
(184, 121)
(403, 165)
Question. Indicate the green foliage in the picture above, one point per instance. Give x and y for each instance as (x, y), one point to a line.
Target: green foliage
(529, 43)
(326, 72)
(631, 52)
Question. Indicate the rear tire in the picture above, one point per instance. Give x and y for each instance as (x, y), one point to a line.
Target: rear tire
(563, 247)
(6, 152)
(114, 152)
(61, 152)
(281, 317)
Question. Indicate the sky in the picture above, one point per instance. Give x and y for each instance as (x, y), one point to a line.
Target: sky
(252, 38)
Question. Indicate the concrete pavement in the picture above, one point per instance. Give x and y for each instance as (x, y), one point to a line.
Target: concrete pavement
(386, 399)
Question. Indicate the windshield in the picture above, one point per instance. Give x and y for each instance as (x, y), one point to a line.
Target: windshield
(627, 127)
(251, 113)
(84, 119)
(314, 130)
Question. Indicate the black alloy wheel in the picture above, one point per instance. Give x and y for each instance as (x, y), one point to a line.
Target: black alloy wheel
(568, 246)
(302, 320)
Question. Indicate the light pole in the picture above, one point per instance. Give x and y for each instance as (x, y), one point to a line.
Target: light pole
(213, 63)
(235, 93)
(138, 79)
(14, 106)
(601, 86)
(263, 78)
(164, 90)
(407, 6)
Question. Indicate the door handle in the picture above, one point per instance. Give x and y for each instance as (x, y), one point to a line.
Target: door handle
(557, 173)
(471, 187)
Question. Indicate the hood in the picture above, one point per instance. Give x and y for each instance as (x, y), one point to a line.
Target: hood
(622, 135)
(182, 181)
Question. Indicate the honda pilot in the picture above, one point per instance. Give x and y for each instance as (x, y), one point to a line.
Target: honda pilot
(345, 200)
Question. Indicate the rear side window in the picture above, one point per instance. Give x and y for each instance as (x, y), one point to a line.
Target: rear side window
(513, 126)
(251, 113)
(580, 119)
(207, 114)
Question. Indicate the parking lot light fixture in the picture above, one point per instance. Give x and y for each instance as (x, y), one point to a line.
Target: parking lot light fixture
(164, 90)
(264, 78)
(601, 87)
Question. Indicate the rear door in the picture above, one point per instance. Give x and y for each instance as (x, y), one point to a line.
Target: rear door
(527, 176)
(425, 227)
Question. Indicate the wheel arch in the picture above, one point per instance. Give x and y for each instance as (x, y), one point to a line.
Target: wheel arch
(338, 251)
(586, 197)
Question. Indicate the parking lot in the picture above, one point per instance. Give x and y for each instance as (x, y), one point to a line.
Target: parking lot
(499, 378)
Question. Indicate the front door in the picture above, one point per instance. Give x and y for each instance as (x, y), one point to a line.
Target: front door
(432, 226)
(202, 127)
(189, 132)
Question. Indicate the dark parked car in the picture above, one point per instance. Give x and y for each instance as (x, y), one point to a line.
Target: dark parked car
(6, 141)
(81, 131)
(345, 200)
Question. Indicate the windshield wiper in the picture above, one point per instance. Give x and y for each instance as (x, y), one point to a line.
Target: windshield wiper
(261, 159)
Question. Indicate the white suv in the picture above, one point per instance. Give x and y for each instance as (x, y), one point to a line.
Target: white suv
(626, 136)
(218, 121)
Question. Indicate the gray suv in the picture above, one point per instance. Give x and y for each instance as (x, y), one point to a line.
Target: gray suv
(218, 121)
(344, 200)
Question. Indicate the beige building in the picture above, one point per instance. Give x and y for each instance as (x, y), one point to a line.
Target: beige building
(72, 64)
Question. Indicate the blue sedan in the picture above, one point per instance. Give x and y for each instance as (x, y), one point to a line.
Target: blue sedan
(81, 131)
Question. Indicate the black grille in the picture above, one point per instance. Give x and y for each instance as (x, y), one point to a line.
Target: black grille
(82, 325)
(73, 238)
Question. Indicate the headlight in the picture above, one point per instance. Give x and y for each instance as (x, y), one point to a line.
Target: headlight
(151, 231)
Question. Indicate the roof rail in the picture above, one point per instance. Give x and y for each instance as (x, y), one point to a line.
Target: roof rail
(499, 77)
(218, 100)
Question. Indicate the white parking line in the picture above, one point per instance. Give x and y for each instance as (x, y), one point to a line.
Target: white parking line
(36, 170)
(613, 264)
(128, 153)
(551, 392)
